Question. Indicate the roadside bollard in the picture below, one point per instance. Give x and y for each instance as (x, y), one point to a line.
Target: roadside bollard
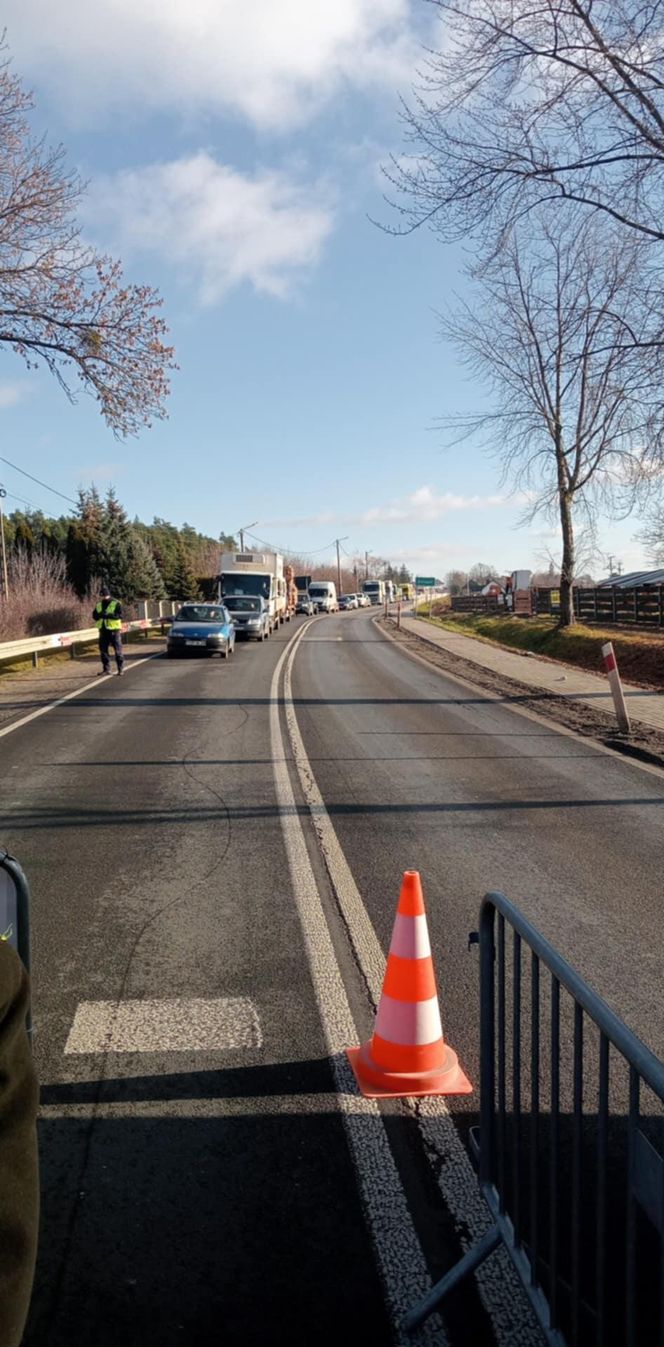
(622, 714)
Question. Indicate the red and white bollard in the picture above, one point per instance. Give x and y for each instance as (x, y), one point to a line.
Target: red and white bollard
(622, 714)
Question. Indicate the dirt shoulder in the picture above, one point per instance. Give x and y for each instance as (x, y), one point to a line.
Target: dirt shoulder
(644, 743)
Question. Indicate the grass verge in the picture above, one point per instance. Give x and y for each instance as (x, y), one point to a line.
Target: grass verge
(640, 655)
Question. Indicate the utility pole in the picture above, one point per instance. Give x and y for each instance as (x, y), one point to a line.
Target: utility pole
(243, 530)
(337, 541)
(366, 565)
(3, 493)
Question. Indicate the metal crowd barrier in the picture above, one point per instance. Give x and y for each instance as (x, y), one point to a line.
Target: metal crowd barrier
(570, 1146)
(15, 909)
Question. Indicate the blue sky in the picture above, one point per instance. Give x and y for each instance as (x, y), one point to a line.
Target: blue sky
(233, 155)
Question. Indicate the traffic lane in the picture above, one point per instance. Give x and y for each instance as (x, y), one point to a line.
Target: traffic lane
(185, 1193)
(415, 770)
(26, 691)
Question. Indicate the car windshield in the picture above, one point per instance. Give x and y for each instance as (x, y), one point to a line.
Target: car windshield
(200, 612)
(240, 603)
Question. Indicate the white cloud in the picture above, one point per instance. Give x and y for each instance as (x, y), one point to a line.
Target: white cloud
(423, 505)
(10, 394)
(269, 61)
(221, 226)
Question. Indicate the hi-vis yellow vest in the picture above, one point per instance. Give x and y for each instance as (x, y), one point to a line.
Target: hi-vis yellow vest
(107, 619)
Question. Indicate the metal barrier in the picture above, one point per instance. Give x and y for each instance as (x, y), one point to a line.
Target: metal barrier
(68, 640)
(570, 1150)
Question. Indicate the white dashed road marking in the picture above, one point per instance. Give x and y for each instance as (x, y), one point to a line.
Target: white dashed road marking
(165, 1026)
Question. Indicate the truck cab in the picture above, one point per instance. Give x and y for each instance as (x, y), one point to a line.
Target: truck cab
(258, 575)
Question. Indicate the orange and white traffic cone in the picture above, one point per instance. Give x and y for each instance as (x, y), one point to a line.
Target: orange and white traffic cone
(407, 1054)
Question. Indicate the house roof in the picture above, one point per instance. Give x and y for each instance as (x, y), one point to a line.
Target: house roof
(633, 579)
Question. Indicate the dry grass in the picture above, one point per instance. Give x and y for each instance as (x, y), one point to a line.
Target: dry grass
(640, 655)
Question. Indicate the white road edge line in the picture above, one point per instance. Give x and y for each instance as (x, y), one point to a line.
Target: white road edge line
(401, 1262)
(498, 1284)
(42, 710)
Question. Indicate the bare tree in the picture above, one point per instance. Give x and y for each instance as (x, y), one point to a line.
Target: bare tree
(456, 582)
(61, 303)
(482, 574)
(561, 99)
(577, 414)
(651, 536)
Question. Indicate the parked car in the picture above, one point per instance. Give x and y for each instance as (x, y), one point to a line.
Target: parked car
(347, 601)
(250, 616)
(304, 605)
(363, 600)
(201, 629)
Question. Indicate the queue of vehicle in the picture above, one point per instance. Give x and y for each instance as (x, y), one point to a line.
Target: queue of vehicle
(256, 595)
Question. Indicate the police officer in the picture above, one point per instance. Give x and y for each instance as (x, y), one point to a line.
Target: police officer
(108, 617)
(19, 1180)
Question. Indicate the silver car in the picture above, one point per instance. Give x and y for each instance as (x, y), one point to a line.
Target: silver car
(250, 616)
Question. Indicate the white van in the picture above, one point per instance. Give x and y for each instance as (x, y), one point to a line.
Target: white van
(323, 594)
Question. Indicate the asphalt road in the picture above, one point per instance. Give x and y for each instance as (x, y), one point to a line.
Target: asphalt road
(222, 843)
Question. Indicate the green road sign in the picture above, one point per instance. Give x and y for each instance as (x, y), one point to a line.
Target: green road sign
(424, 582)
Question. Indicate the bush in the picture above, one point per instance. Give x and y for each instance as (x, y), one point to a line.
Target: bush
(40, 601)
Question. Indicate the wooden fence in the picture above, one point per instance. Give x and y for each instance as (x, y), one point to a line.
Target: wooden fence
(642, 606)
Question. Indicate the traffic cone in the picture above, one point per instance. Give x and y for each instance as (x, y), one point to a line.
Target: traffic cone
(407, 1054)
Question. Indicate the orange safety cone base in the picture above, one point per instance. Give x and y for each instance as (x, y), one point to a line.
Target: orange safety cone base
(376, 1083)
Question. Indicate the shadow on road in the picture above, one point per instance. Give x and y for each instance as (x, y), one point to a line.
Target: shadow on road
(168, 1219)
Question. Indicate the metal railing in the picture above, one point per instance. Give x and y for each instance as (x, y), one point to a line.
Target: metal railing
(152, 615)
(570, 1148)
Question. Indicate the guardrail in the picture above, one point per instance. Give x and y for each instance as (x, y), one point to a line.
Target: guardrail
(570, 1147)
(68, 640)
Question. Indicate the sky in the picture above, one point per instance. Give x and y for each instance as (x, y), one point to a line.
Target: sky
(233, 154)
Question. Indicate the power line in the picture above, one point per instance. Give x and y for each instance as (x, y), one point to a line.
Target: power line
(24, 501)
(294, 551)
(39, 483)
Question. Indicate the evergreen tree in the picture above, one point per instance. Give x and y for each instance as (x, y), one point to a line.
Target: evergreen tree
(184, 584)
(143, 576)
(125, 561)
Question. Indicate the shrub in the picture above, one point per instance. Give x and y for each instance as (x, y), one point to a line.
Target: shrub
(40, 601)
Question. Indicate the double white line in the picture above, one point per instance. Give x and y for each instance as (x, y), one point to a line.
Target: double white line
(397, 1248)
(400, 1259)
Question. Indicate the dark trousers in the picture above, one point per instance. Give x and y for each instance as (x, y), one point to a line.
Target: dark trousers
(110, 640)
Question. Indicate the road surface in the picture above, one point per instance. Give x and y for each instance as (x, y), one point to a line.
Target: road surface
(215, 851)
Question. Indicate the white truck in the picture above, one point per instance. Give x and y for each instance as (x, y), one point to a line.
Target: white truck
(375, 591)
(260, 574)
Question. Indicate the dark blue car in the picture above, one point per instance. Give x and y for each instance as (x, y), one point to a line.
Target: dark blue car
(202, 629)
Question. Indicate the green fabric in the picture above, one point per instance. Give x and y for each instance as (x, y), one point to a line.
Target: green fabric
(105, 619)
(19, 1179)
